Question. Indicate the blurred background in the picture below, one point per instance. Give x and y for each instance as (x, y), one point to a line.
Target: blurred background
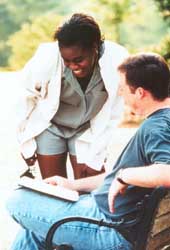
(24, 24)
(138, 25)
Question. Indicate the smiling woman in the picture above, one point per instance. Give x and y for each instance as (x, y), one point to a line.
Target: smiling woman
(77, 105)
(80, 60)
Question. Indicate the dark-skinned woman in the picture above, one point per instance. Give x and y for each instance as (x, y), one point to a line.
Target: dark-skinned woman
(71, 105)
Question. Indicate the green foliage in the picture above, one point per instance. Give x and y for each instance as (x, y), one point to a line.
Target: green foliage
(14, 13)
(24, 42)
(163, 48)
(164, 6)
(4, 53)
(134, 24)
(109, 14)
(24, 10)
(115, 13)
(144, 26)
(7, 24)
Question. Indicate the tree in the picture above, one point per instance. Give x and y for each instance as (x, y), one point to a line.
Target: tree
(116, 13)
(144, 26)
(164, 47)
(164, 6)
(14, 13)
(7, 25)
(24, 42)
(124, 21)
(110, 15)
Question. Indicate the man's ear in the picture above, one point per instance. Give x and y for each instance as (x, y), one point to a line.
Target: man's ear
(140, 92)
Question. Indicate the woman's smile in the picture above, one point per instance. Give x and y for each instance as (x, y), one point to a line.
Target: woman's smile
(80, 60)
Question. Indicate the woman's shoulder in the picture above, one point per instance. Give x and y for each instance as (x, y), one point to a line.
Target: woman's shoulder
(44, 58)
(46, 53)
(109, 45)
(114, 53)
(46, 48)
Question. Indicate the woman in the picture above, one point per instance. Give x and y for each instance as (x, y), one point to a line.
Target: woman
(71, 104)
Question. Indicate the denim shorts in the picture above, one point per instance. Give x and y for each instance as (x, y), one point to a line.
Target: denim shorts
(58, 139)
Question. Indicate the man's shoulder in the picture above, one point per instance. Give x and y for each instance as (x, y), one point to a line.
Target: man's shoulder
(156, 124)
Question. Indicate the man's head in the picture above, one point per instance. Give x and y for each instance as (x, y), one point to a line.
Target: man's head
(144, 76)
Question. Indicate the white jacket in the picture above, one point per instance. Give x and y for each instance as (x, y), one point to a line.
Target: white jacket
(37, 109)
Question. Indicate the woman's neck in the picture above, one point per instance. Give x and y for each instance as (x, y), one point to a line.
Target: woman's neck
(84, 82)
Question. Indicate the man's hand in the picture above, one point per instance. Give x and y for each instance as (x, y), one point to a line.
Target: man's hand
(82, 185)
(61, 181)
(115, 189)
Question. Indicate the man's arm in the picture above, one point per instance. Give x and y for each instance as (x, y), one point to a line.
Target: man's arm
(151, 176)
(87, 184)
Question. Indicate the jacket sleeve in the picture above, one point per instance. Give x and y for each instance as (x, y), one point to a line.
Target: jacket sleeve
(35, 79)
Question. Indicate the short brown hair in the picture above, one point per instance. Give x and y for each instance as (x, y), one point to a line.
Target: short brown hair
(147, 70)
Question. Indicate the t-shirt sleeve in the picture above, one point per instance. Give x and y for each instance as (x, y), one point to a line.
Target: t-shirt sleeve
(157, 147)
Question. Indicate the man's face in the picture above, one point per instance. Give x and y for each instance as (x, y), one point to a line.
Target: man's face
(128, 95)
(79, 60)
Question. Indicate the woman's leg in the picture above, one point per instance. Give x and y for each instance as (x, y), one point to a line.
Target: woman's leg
(37, 212)
(82, 170)
(52, 165)
(51, 153)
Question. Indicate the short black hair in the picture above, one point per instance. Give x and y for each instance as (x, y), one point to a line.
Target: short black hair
(81, 30)
(149, 71)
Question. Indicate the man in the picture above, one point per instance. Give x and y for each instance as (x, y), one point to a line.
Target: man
(151, 176)
(144, 84)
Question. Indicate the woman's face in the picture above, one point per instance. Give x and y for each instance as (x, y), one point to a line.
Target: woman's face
(80, 60)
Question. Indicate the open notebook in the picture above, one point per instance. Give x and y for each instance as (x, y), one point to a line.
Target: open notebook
(42, 187)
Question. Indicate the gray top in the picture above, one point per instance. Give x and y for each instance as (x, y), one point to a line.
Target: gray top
(76, 107)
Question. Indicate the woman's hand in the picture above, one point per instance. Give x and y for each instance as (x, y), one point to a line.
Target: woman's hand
(115, 189)
(61, 181)
(30, 161)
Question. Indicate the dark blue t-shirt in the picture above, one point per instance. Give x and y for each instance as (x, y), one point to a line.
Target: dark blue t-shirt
(150, 144)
